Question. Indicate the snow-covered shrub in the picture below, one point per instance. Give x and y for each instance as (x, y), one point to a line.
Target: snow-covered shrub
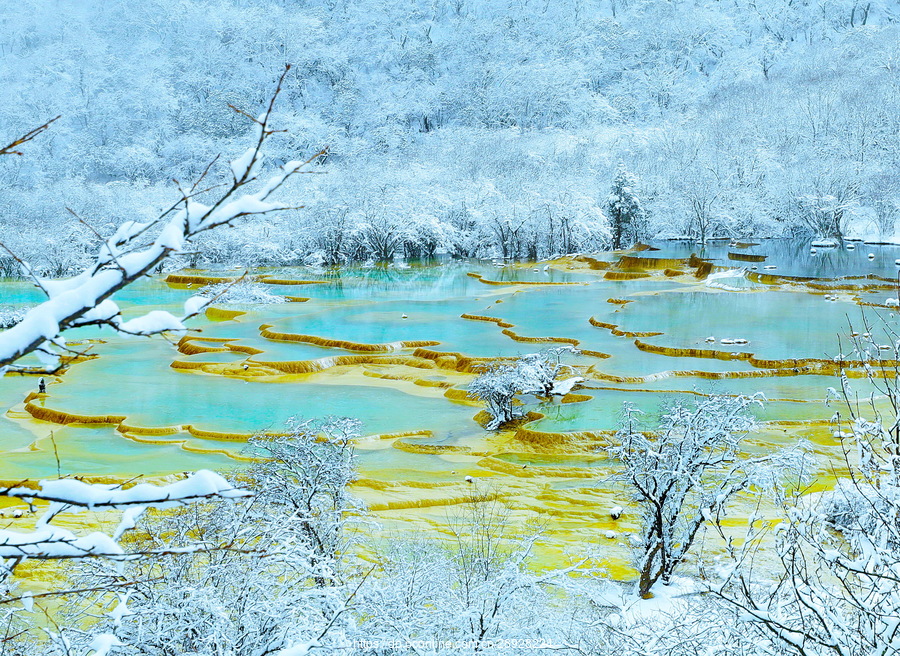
(242, 292)
(535, 373)
(859, 509)
(10, 316)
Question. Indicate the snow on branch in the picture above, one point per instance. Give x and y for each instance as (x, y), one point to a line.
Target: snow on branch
(48, 541)
(10, 148)
(56, 542)
(199, 485)
(130, 254)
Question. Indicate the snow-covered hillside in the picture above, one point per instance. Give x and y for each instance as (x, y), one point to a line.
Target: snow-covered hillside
(475, 127)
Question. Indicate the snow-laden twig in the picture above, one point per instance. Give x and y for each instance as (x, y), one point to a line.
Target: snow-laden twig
(70, 492)
(127, 256)
(50, 542)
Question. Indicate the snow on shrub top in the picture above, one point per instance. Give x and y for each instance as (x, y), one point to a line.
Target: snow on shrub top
(10, 316)
(241, 292)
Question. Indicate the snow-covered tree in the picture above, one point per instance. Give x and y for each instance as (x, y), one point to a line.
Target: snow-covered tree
(539, 372)
(627, 217)
(497, 386)
(304, 473)
(501, 382)
(682, 473)
(827, 215)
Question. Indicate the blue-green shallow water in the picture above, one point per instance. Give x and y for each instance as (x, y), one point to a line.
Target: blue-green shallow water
(133, 377)
(794, 257)
(777, 324)
(604, 411)
(103, 451)
(148, 392)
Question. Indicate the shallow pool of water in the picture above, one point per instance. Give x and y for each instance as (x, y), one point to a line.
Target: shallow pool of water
(210, 399)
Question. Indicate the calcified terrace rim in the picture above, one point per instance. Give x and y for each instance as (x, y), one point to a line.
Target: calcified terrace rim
(423, 358)
(515, 283)
(181, 280)
(534, 340)
(266, 333)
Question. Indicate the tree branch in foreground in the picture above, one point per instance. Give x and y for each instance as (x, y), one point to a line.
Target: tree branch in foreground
(126, 256)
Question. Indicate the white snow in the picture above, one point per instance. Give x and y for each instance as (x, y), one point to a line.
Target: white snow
(240, 166)
(103, 643)
(129, 520)
(157, 321)
(297, 650)
(56, 542)
(121, 610)
(105, 311)
(563, 387)
(195, 305)
(200, 484)
(729, 280)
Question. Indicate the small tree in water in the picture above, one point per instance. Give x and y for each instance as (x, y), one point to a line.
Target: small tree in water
(627, 217)
(535, 373)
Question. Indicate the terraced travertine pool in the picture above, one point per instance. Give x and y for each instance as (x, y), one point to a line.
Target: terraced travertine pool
(396, 347)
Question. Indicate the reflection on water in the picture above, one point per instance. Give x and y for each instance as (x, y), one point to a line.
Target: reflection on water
(793, 257)
(158, 408)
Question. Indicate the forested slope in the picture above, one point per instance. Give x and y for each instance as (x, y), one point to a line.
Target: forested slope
(476, 127)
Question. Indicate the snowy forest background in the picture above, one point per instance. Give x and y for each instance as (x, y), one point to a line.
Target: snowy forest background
(478, 128)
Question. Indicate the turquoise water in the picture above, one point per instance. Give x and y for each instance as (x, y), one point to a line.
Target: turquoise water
(795, 257)
(604, 411)
(134, 377)
(777, 324)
